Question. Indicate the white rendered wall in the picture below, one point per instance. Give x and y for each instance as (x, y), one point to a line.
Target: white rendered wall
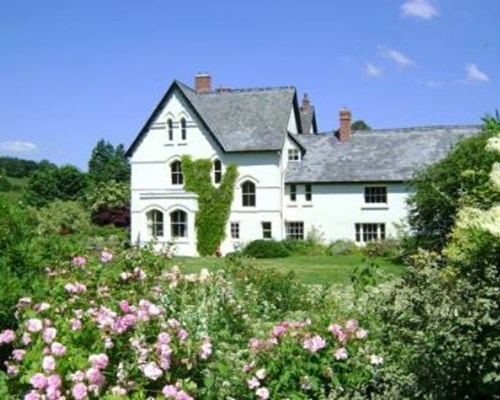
(335, 208)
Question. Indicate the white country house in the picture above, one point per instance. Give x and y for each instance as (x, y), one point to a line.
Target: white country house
(291, 179)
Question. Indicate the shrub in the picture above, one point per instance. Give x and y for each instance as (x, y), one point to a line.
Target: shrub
(116, 216)
(304, 247)
(266, 249)
(382, 248)
(343, 247)
(5, 184)
(63, 217)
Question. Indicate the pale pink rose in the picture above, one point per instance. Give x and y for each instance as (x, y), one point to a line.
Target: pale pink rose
(182, 334)
(70, 288)
(33, 395)
(336, 330)
(169, 391)
(340, 354)
(118, 391)
(108, 343)
(361, 333)
(352, 325)
(34, 325)
(262, 393)
(279, 330)
(12, 369)
(253, 383)
(49, 363)
(41, 307)
(106, 256)
(124, 306)
(154, 310)
(206, 349)
(26, 339)
(54, 380)
(18, 354)
(95, 376)
(49, 334)
(7, 336)
(376, 360)
(182, 395)
(76, 324)
(99, 361)
(78, 376)
(53, 393)
(314, 343)
(57, 349)
(173, 323)
(38, 381)
(261, 374)
(79, 261)
(152, 371)
(79, 391)
(163, 338)
(24, 302)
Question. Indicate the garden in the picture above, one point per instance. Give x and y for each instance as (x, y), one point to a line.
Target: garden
(85, 315)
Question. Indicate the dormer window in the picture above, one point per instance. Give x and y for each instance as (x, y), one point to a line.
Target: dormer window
(170, 129)
(293, 155)
(217, 171)
(183, 129)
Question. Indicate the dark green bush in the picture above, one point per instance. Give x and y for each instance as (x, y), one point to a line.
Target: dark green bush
(266, 249)
(304, 247)
(5, 184)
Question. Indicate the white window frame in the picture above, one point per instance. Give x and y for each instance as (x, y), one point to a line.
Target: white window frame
(155, 224)
(295, 230)
(267, 229)
(176, 176)
(369, 232)
(234, 229)
(183, 129)
(178, 225)
(248, 196)
(293, 155)
(217, 166)
(376, 194)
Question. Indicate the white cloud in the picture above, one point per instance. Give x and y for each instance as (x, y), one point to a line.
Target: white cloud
(396, 56)
(372, 70)
(474, 74)
(15, 146)
(422, 9)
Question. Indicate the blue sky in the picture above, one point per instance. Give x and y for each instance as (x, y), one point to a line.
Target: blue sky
(73, 72)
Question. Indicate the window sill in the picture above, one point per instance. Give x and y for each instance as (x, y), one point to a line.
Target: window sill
(168, 145)
(292, 205)
(307, 206)
(383, 206)
(182, 144)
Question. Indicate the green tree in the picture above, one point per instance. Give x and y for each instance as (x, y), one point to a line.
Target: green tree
(460, 179)
(360, 125)
(108, 163)
(52, 183)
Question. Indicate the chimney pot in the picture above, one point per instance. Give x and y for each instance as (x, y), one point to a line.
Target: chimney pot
(345, 118)
(203, 83)
(306, 103)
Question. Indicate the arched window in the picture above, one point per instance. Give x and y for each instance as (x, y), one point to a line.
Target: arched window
(248, 194)
(155, 223)
(217, 171)
(170, 128)
(183, 129)
(178, 224)
(176, 173)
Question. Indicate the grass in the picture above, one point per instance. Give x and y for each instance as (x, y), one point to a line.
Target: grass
(309, 269)
(16, 194)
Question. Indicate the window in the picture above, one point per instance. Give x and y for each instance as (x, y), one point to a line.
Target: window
(183, 129)
(309, 192)
(293, 155)
(295, 230)
(375, 194)
(235, 230)
(217, 171)
(248, 194)
(293, 192)
(155, 223)
(176, 173)
(267, 231)
(178, 224)
(369, 232)
(170, 128)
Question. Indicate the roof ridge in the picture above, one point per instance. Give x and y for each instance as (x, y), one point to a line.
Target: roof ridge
(418, 128)
(247, 90)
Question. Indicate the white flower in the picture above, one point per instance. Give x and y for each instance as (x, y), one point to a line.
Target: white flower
(376, 360)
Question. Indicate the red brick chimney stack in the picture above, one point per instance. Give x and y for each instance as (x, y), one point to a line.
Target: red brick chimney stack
(345, 124)
(203, 83)
(306, 103)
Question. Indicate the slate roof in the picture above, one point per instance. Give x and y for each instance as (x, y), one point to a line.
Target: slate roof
(308, 120)
(373, 156)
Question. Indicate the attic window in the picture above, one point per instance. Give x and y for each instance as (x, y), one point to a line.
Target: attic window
(293, 155)
(170, 127)
(375, 194)
(183, 129)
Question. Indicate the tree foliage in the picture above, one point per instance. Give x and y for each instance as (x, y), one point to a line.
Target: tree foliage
(108, 163)
(360, 125)
(53, 183)
(214, 203)
(462, 178)
(20, 168)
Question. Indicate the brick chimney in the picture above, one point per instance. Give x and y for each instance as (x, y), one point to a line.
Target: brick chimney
(306, 103)
(203, 83)
(345, 124)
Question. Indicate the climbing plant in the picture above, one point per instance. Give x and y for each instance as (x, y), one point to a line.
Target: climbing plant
(214, 203)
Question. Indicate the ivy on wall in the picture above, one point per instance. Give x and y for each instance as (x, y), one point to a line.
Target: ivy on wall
(214, 203)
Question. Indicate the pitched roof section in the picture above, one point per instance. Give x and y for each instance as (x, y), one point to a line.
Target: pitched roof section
(374, 156)
(246, 119)
(308, 119)
(239, 119)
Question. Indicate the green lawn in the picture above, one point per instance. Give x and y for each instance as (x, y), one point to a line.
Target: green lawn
(309, 269)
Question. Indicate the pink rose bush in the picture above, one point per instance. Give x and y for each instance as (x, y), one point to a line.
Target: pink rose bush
(122, 324)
